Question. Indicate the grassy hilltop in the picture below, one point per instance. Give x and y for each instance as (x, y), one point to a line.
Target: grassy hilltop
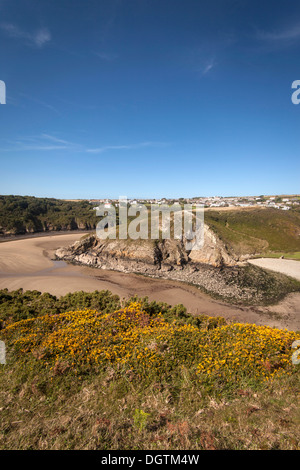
(266, 231)
(135, 374)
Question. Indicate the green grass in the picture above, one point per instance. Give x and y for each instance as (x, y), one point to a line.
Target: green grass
(257, 231)
(102, 412)
(286, 255)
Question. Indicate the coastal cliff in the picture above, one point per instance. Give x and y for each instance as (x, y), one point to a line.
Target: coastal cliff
(24, 215)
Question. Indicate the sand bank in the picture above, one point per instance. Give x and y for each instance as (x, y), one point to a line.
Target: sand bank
(284, 266)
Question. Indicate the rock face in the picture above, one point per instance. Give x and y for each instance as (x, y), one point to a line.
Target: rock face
(24, 229)
(152, 255)
(213, 251)
(125, 255)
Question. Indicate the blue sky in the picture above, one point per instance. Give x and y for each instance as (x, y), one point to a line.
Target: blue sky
(149, 98)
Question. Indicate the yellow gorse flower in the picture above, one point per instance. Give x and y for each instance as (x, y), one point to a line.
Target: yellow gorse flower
(148, 345)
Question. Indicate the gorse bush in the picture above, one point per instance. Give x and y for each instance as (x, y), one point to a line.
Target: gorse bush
(20, 305)
(238, 351)
(136, 374)
(146, 347)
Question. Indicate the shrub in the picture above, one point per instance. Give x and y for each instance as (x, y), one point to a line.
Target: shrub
(146, 347)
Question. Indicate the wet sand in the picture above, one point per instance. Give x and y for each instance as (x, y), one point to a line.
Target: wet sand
(27, 264)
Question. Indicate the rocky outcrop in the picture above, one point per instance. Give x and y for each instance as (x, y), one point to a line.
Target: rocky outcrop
(213, 251)
(211, 268)
(125, 255)
(155, 255)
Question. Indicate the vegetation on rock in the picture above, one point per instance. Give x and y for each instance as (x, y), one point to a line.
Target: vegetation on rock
(28, 214)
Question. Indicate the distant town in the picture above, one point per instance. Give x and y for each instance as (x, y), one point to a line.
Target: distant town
(276, 202)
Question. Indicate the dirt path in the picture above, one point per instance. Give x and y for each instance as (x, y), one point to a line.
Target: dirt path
(27, 264)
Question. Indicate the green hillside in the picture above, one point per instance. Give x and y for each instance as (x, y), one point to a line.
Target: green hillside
(257, 231)
(28, 214)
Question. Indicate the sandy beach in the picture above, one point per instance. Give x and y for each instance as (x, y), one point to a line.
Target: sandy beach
(284, 266)
(28, 264)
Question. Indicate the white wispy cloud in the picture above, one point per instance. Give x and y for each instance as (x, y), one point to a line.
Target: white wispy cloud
(40, 102)
(50, 142)
(56, 139)
(106, 56)
(43, 142)
(208, 67)
(286, 35)
(36, 38)
(126, 147)
(41, 37)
